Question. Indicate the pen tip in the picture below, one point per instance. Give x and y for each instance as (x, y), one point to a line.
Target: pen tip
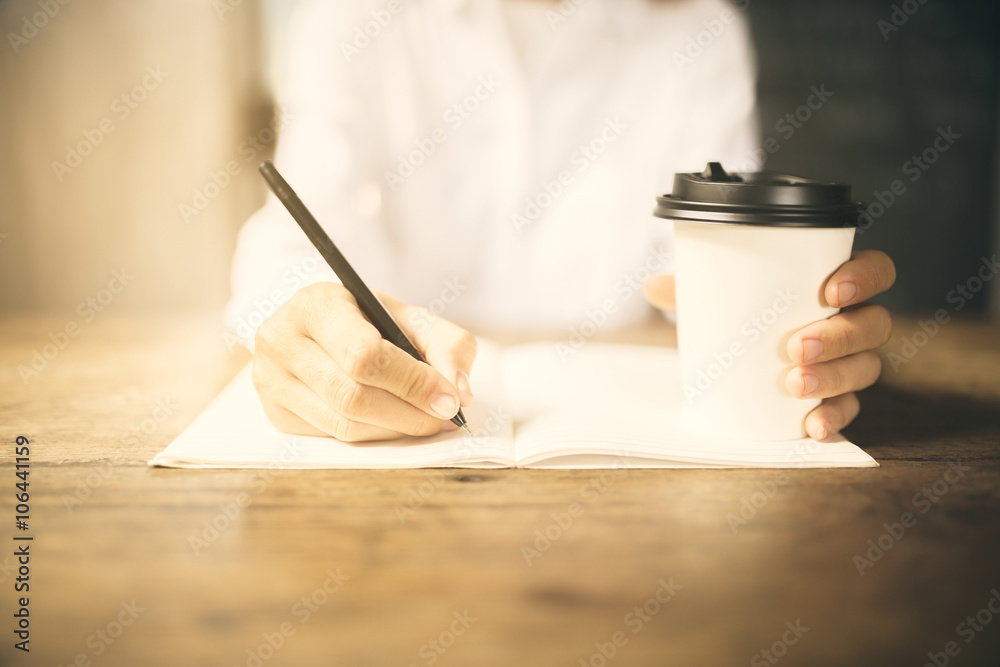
(465, 427)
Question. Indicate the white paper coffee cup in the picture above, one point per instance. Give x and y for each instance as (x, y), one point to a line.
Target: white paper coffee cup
(752, 259)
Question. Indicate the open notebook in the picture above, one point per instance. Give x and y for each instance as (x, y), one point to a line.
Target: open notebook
(602, 406)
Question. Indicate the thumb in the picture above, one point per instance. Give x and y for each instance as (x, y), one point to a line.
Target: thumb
(660, 291)
(447, 347)
(453, 353)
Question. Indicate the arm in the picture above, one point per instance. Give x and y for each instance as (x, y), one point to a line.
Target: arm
(319, 366)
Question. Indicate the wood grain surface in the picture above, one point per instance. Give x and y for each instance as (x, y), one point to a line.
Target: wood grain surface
(138, 566)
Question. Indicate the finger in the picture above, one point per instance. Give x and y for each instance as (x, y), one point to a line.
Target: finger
(832, 378)
(370, 360)
(287, 421)
(305, 413)
(348, 399)
(295, 408)
(850, 332)
(454, 355)
(867, 273)
(660, 291)
(266, 378)
(447, 347)
(832, 415)
(284, 352)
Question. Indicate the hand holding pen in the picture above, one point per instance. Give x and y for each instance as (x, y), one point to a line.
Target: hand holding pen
(327, 363)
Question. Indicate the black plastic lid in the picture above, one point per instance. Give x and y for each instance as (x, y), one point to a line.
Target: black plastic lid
(764, 198)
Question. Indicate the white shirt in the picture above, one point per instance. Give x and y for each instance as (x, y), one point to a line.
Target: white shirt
(500, 172)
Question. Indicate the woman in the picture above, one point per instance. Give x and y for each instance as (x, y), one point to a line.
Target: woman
(492, 164)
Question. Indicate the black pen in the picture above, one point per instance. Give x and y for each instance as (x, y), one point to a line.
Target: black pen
(367, 301)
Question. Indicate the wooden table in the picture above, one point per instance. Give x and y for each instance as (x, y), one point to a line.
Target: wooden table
(429, 567)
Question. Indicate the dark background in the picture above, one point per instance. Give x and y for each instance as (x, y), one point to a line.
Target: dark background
(940, 69)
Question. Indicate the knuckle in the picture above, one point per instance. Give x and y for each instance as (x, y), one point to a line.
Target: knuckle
(280, 334)
(842, 338)
(320, 291)
(364, 358)
(837, 383)
(877, 272)
(311, 304)
(348, 397)
(871, 278)
(414, 384)
(883, 324)
(837, 378)
(875, 364)
(890, 271)
(300, 304)
(467, 340)
(310, 307)
(861, 371)
(329, 378)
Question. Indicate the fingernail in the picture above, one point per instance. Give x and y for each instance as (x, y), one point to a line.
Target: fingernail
(444, 406)
(809, 383)
(462, 380)
(823, 431)
(811, 349)
(846, 292)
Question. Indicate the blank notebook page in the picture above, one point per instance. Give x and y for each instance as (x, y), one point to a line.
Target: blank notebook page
(576, 408)
(538, 405)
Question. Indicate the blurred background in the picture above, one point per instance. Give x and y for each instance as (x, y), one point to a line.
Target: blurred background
(118, 120)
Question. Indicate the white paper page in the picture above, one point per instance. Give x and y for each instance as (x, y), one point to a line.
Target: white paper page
(234, 432)
(604, 406)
